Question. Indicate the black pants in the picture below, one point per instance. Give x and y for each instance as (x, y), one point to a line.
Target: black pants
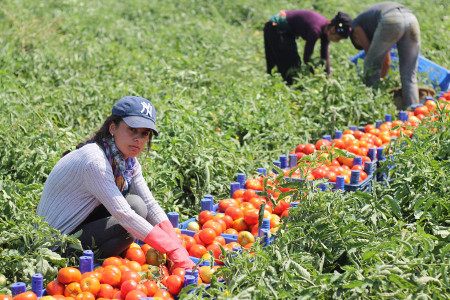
(102, 231)
(281, 51)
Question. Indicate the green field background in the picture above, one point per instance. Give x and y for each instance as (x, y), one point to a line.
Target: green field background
(64, 63)
(202, 64)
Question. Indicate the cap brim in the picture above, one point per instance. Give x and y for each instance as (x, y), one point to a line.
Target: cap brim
(139, 122)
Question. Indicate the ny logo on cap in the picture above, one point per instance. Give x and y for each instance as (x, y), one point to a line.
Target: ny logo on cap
(148, 109)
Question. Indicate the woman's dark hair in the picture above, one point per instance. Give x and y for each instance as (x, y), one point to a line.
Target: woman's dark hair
(342, 22)
(103, 132)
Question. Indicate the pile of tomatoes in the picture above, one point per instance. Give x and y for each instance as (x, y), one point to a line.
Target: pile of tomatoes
(239, 215)
(356, 142)
(208, 238)
(430, 109)
(123, 278)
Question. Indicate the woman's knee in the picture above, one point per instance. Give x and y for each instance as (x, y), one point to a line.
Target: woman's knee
(137, 204)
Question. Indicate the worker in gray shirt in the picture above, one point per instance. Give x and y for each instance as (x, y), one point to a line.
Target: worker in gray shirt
(377, 30)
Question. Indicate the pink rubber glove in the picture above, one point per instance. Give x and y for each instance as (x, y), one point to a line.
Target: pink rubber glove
(167, 227)
(176, 253)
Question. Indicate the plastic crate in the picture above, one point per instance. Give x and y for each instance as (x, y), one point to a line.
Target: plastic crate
(437, 76)
(183, 225)
(365, 186)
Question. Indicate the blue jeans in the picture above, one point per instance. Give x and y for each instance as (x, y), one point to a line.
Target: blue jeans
(103, 231)
(398, 26)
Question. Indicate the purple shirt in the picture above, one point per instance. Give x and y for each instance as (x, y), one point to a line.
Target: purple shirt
(308, 25)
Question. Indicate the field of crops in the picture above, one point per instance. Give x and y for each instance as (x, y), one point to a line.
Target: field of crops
(63, 64)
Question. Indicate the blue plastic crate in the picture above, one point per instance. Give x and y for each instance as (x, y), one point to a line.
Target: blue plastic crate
(437, 76)
(365, 186)
(183, 225)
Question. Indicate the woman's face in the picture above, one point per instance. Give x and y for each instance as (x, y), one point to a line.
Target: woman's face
(333, 36)
(130, 141)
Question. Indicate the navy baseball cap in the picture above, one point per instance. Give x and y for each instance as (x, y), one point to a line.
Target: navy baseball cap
(136, 112)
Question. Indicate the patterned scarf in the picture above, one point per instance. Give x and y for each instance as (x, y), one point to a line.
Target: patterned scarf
(123, 169)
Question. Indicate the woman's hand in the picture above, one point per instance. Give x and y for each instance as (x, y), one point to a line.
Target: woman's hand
(164, 243)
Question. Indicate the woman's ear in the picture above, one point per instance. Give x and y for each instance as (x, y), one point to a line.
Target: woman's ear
(112, 128)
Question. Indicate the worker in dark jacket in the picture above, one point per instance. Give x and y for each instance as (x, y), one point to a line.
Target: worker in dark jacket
(281, 31)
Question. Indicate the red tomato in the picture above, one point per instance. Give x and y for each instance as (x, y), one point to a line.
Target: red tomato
(224, 204)
(189, 242)
(323, 142)
(354, 149)
(205, 216)
(85, 296)
(421, 110)
(106, 291)
(151, 287)
(213, 225)
(174, 284)
(318, 173)
(90, 284)
(130, 275)
(113, 260)
(72, 289)
(309, 149)
(25, 296)
(299, 148)
(217, 253)
(253, 184)
(222, 222)
(69, 274)
(240, 224)
(234, 213)
(256, 202)
(300, 155)
(207, 235)
(358, 134)
(362, 176)
(135, 295)
(368, 128)
(228, 220)
(251, 216)
(238, 194)
(111, 275)
(128, 286)
(55, 288)
(338, 143)
(163, 294)
(332, 175)
(136, 254)
(220, 240)
(179, 271)
(197, 250)
(249, 194)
